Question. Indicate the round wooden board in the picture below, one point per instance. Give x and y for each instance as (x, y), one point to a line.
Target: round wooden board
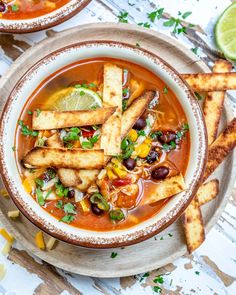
(152, 253)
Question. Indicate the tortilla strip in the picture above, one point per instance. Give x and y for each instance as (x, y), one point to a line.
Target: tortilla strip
(193, 226)
(205, 82)
(112, 96)
(208, 192)
(65, 158)
(216, 154)
(166, 189)
(214, 101)
(46, 120)
(220, 148)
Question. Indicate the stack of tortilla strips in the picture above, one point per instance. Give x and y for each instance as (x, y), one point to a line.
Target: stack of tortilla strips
(219, 147)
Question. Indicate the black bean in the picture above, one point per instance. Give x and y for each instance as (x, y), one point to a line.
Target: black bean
(167, 137)
(129, 163)
(71, 194)
(96, 210)
(160, 172)
(152, 157)
(140, 124)
(3, 7)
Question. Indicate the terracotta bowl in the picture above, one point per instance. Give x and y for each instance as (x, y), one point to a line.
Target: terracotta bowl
(43, 22)
(66, 56)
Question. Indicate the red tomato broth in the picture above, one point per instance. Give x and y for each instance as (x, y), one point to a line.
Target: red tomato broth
(25, 9)
(89, 71)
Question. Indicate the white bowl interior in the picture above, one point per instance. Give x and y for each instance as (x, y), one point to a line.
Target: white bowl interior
(61, 59)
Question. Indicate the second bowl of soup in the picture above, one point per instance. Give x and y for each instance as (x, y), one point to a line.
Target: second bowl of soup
(109, 147)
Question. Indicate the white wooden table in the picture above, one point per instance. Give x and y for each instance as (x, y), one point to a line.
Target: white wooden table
(212, 268)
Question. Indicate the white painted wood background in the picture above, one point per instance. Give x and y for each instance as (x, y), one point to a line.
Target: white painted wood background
(212, 268)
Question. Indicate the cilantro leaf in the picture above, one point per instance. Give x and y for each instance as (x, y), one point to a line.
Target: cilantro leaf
(67, 218)
(186, 14)
(114, 255)
(69, 208)
(40, 198)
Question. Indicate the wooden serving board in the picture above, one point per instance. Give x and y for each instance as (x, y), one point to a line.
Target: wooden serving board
(168, 245)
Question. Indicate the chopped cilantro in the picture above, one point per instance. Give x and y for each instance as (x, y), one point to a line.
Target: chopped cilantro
(92, 85)
(72, 135)
(125, 91)
(199, 97)
(144, 276)
(40, 197)
(67, 218)
(185, 126)
(82, 93)
(69, 208)
(15, 7)
(155, 135)
(51, 172)
(195, 50)
(26, 131)
(145, 25)
(157, 14)
(197, 273)
(48, 194)
(124, 105)
(170, 235)
(159, 279)
(13, 148)
(137, 44)
(157, 289)
(161, 238)
(39, 182)
(30, 112)
(114, 255)
(141, 133)
(123, 17)
(165, 90)
(94, 139)
(61, 191)
(176, 23)
(59, 204)
(87, 145)
(186, 14)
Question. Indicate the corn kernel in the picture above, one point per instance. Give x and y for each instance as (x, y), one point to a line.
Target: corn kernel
(143, 150)
(111, 175)
(133, 135)
(85, 205)
(119, 172)
(148, 140)
(39, 240)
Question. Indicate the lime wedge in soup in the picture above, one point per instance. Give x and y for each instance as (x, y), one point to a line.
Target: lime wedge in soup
(225, 32)
(71, 99)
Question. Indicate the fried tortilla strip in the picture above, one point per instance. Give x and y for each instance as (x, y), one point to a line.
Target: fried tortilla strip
(205, 82)
(65, 158)
(214, 101)
(112, 96)
(220, 148)
(68, 177)
(193, 226)
(166, 189)
(46, 120)
(88, 177)
(207, 192)
(216, 154)
(134, 112)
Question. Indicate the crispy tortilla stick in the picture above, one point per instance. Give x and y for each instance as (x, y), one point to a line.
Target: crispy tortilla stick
(220, 148)
(214, 101)
(46, 120)
(65, 158)
(216, 154)
(205, 82)
(166, 189)
(112, 96)
(207, 192)
(193, 226)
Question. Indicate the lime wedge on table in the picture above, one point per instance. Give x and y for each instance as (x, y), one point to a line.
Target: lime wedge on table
(225, 32)
(72, 98)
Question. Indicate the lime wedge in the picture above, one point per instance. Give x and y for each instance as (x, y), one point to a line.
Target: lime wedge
(71, 99)
(225, 32)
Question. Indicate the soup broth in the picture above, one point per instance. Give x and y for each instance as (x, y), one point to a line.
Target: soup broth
(168, 142)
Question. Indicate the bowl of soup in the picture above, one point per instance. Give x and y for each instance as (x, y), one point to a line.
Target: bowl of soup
(22, 16)
(102, 144)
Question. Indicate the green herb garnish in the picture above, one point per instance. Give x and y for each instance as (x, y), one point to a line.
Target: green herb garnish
(67, 218)
(39, 182)
(123, 17)
(13, 148)
(159, 279)
(197, 273)
(186, 14)
(144, 276)
(61, 191)
(87, 145)
(59, 204)
(165, 90)
(124, 105)
(157, 289)
(72, 135)
(69, 208)
(141, 133)
(40, 197)
(157, 14)
(156, 134)
(125, 91)
(15, 7)
(82, 93)
(51, 172)
(145, 25)
(114, 255)
(199, 97)
(195, 50)
(30, 112)
(26, 131)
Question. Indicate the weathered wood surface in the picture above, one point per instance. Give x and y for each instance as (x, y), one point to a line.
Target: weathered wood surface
(215, 260)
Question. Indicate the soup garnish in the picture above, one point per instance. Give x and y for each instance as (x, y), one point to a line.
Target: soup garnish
(93, 163)
(26, 9)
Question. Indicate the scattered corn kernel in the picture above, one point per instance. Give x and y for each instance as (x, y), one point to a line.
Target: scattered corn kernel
(143, 150)
(28, 184)
(39, 240)
(133, 219)
(51, 243)
(6, 235)
(49, 4)
(6, 249)
(85, 205)
(118, 168)
(13, 214)
(4, 193)
(148, 140)
(133, 135)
